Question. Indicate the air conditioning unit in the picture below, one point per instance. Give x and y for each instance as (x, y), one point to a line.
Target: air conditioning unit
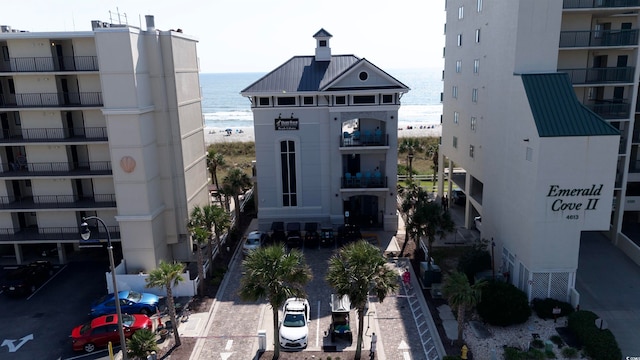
(5, 28)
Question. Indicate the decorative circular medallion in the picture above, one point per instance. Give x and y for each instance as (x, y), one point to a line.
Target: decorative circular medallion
(127, 163)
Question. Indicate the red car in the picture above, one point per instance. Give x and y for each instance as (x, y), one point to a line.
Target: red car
(103, 329)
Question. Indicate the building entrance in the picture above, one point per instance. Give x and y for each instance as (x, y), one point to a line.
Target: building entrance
(363, 211)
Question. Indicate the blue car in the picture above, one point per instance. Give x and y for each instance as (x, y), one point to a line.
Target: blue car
(131, 302)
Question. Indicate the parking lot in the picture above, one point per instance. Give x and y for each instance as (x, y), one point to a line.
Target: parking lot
(38, 326)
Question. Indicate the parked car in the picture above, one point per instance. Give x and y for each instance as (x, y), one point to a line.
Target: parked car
(294, 236)
(294, 327)
(26, 279)
(131, 302)
(458, 197)
(104, 329)
(254, 240)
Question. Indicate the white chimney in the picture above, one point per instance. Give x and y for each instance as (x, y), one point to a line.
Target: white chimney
(323, 50)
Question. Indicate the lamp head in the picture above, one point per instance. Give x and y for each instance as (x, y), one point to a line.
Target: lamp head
(84, 231)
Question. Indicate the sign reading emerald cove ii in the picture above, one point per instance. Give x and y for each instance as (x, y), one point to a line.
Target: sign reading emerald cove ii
(575, 199)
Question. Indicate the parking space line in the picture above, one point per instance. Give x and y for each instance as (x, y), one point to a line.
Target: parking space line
(46, 282)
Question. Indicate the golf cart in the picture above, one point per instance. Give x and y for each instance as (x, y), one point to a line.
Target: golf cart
(340, 327)
(294, 237)
(326, 236)
(311, 235)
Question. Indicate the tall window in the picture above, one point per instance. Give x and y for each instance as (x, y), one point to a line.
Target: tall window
(479, 3)
(459, 39)
(454, 92)
(460, 12)
(473, 123)
(458, 65)
(471, 151)
(476, 66)
(288, 165)
(477, 35)
(474, 95)
(455, 142)
(456, 117)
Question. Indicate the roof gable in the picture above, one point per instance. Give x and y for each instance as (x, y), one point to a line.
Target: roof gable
(364, 75)
(556, 110)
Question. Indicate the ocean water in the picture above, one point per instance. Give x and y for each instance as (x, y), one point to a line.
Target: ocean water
(223, 107)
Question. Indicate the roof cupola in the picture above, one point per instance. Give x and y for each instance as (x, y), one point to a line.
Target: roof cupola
(323, 50)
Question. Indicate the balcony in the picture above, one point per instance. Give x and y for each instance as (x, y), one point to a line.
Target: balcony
(47, 100)
(28, 169)
(366, 180)
(50, 64)
(598, 4)
(610, 108)
(54, 234)
(600, 75)
(598, 38)
(40, 135)
(365, 139)
(57, 202)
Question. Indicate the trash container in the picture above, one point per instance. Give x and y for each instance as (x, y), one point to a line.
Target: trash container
(262, 340)
(430, 274)
(548, 345)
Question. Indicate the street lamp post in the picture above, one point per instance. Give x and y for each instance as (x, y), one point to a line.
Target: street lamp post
(410, 156)
(86, 233)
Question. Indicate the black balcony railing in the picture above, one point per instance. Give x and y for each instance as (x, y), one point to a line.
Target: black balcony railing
(54, 134)
(363, 181)
(364, 139)
(611, 109)
(600, 75)
(57, 201)
(70, 234)
(55, 168)
(50, 64)
(598, 38)
(39, 100)
(588, 4)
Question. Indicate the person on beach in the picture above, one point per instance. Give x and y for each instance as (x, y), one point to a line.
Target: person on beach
(406, 278)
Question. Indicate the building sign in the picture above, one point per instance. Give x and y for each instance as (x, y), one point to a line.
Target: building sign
(287, 124)
(574, 199)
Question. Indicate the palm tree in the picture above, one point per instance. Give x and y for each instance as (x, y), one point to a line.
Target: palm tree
(273, 273)
(141, 344)
(356, 270)
(432, 152)
(410, 146)
(214, 159)
(165, 276)
(235, 183)
(461, 295)
(201, 237)
(213, 218)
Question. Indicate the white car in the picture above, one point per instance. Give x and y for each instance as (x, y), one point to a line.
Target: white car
(254, 240)
(294, 327)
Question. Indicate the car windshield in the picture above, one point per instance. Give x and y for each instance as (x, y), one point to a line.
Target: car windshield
(134, 296)
(293, 320)
(253, 241)
(85, 329)
(127, 320)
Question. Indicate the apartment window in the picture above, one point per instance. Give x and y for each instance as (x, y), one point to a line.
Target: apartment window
(263, 101)
(455, 142)
(456, 117)
(459, 39)
(458, 65)
(476, 66)
(288, 165)
(460, 12)
(286, 101)
(474, 95)
(364, 99)
(479, 3)
(477, 35)
(341, 100)
(308, 100)
(387, 99)
(454, 92)
(473, 123)
(323, 43)
(529, 155)
(471, 151)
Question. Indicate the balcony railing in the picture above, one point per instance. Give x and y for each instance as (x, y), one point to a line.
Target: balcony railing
(611, 109)
(39, 100)
(364, 139)
(65, 168)
(54, 134)
(600, 75)
(598, 38)
(50, 64)
(70, 234)
(588, 4)
(364, 181)
(57, 201)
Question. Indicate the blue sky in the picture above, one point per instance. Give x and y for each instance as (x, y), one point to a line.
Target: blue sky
(259, 35)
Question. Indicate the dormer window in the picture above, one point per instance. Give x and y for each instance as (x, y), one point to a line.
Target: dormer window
(323, 43)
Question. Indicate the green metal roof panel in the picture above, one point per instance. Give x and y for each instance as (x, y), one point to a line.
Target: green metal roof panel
(557, 111)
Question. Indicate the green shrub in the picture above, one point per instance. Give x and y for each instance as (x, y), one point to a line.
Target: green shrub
(513, 354)
(544, 307)
(570, 353)
(556, 339)
(475, 260)
(598, 344)
(503, 304)
(550, 354)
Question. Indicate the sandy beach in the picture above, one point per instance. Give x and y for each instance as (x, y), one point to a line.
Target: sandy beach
(213, 135)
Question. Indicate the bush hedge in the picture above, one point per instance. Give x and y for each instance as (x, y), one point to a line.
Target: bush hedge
(503, 304)
(544, 307)
(474, 260)
(598, 344)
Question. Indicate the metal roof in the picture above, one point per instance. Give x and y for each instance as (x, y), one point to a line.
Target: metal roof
(302, 73)
(557, 111)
